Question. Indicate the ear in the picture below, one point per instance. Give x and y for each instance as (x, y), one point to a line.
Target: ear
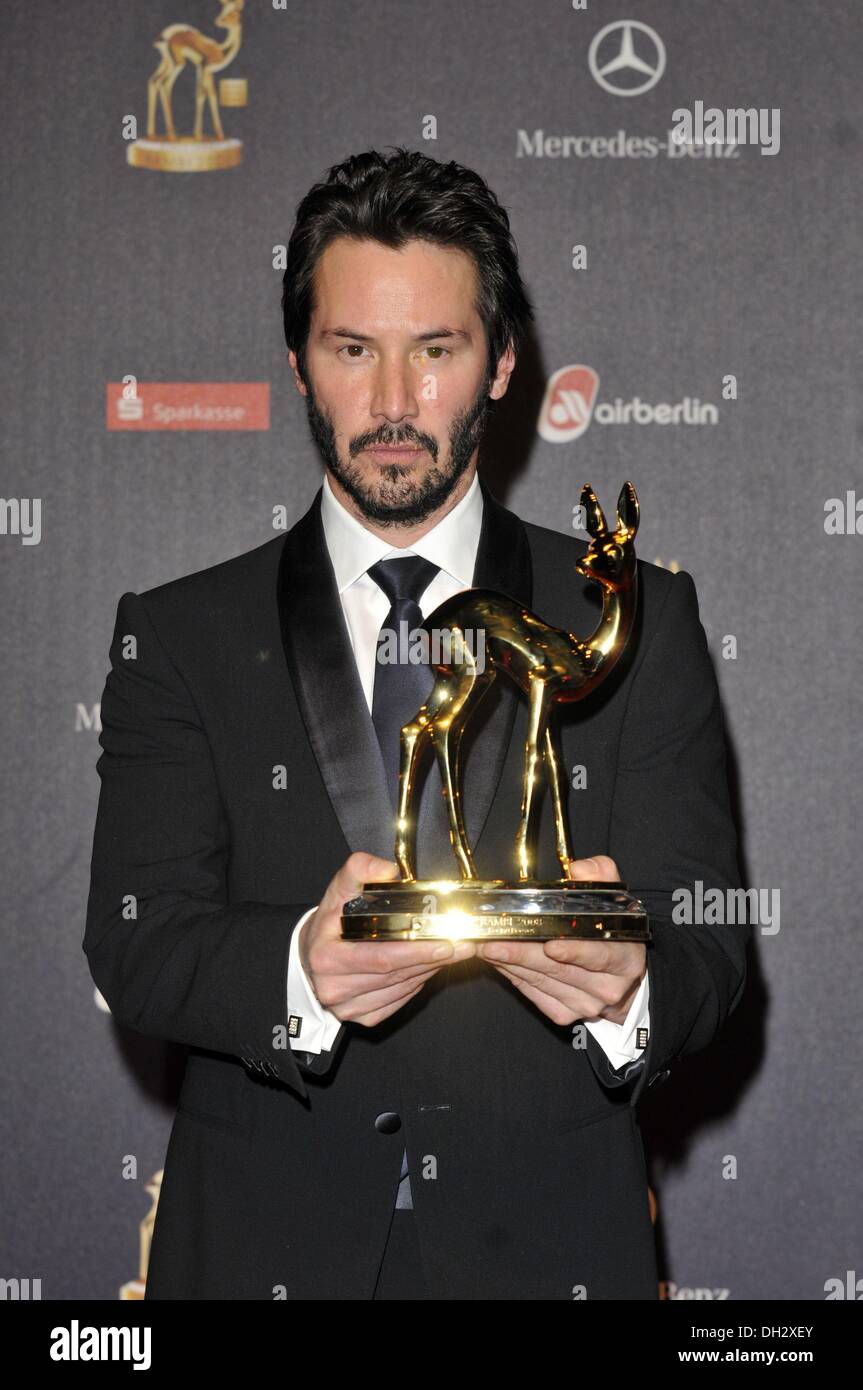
(596, 524)
(628, 510)
(298, 380)
(504, 370)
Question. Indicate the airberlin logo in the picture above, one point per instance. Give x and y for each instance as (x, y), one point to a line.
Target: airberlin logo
(569, 406)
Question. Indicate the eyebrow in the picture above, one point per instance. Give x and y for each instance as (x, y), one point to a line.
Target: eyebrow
(419, 338)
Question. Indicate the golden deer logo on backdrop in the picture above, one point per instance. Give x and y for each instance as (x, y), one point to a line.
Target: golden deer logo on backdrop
(182, 48)
(134, 1289)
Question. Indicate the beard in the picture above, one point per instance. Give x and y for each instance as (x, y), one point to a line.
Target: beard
(398, 499)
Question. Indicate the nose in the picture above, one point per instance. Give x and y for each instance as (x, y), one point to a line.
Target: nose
(394, 391)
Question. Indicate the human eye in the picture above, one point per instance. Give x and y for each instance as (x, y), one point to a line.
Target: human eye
(347, 349)
(436, 347)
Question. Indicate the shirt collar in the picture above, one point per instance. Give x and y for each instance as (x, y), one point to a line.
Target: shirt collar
(451, 544)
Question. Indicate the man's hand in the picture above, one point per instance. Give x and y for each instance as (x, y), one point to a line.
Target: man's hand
(366, 981)
(573, 980)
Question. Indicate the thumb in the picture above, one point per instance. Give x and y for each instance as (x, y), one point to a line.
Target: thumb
(347, 882)
(587, 869)
(381, 868)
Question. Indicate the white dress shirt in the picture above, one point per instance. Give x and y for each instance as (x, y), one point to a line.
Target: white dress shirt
(452, 546)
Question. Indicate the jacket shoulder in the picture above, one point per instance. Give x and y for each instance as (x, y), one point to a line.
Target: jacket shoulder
(228, 580)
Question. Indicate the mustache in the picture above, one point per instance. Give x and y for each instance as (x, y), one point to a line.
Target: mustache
(408, 437)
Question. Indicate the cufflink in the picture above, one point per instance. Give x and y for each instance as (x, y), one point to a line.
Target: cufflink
(295, 1025)
(641, 1036)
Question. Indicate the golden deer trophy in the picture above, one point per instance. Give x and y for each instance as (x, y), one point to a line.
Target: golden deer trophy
(179, 45)
(550, 666)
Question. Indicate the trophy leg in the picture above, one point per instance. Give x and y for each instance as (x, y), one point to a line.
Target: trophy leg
(152, 95)
(564, 849)
(200, 98)
(537, 721)
(166, 90)
(479, 684)
(210, 89)
(459, 694)
(446, 750)
(406, 830)
(154, 89)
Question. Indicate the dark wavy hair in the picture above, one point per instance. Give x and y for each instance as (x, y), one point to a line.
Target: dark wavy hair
(398, 197)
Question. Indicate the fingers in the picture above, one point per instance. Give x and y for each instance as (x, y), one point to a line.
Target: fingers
(588, 997)
(379, 1004)
(553, 957)
(599, 868)
(612, 958)
(553, 1008)
(359, 979)
(595, 967)
(347, 882)
(378, 1015)
(334, 989)
(337, 957)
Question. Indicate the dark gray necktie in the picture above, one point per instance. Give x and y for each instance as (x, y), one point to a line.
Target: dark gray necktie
(401, 685)
(399, 690)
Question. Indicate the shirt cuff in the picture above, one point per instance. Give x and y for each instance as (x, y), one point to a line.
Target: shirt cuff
(618, 1040)
(311, 1027)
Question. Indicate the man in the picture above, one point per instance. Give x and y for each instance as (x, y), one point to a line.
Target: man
(399, 1120)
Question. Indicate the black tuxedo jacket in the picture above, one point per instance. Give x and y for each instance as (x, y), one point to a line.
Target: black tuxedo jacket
(239, 769)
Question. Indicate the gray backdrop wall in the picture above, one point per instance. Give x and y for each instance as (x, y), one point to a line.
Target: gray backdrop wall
(727, 277)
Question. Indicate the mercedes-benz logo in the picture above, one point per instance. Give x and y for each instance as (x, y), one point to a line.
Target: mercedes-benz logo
(627, 58)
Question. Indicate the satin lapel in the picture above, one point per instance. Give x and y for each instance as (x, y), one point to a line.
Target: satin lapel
(502, 562)
(324, 674)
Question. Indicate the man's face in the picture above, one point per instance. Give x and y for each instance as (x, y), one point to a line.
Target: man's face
(396, 356)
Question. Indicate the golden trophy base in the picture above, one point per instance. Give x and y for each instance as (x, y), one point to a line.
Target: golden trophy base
(494, 910)
(184, 156)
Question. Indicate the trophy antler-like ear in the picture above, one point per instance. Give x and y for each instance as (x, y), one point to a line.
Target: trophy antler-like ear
(628, 510)
(596, 523)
